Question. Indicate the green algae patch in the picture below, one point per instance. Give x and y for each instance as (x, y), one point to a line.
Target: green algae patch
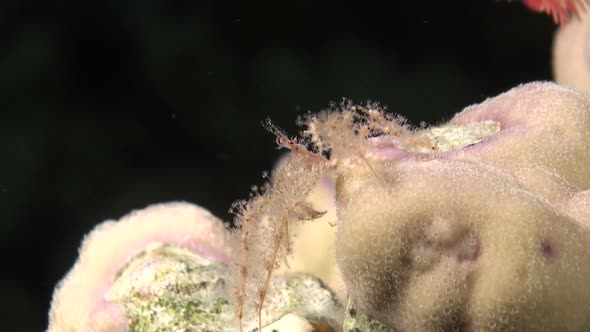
(356, 321)
(170, 288)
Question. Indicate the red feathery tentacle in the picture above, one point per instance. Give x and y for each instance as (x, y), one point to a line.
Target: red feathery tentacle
(560, 10)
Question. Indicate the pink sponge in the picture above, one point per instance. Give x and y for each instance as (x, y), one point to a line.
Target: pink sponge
(79, 302)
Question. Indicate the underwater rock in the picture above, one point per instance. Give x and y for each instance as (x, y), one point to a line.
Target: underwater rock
(175, 285)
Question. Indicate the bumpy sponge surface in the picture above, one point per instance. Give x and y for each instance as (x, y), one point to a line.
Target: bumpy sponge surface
(491, 236)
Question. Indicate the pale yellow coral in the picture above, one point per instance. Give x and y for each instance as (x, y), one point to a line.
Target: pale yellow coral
(490, 236)
(454, 243)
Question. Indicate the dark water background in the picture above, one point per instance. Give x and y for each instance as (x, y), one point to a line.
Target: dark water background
(108, 106)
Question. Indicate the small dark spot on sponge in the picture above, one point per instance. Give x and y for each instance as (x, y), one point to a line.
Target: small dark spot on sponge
(547, 249)
(352, 312)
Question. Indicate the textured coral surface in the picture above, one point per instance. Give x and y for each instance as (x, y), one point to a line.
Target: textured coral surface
(484, 237)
